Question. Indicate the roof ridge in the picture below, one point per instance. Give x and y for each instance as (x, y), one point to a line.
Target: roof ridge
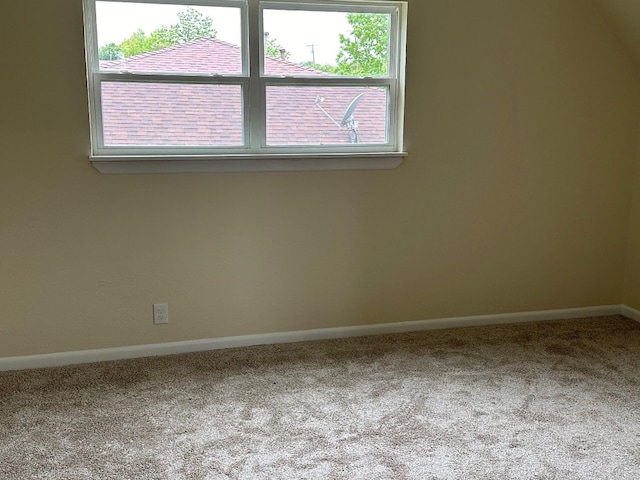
(296, 65)
(216, 40)
(201, 40)
(111, 63)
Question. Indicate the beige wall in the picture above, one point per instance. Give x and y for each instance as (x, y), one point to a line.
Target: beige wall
(632, 278)
(521, 125)
(625, 17)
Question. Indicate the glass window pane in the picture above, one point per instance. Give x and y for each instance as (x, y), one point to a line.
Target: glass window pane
(166, 114)
(326, 115)
(148, 37)
(312, 43)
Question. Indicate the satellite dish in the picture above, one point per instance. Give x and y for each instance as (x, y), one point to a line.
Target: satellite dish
(347, 119)
(348, 113)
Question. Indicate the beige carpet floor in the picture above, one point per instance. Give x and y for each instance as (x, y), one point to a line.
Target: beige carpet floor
(549, 400)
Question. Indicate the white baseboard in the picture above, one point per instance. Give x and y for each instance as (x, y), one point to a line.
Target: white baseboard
(136, 351)
(630, 312)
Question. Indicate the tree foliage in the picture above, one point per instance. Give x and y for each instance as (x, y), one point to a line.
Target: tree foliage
(140, 42)
(317, 66)
(275, 50)
(191, 25)
(110, 51)
(364, 52)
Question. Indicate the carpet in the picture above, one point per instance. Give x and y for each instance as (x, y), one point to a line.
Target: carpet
(545, 400)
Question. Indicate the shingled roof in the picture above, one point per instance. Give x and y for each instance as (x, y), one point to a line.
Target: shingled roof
(208, 114)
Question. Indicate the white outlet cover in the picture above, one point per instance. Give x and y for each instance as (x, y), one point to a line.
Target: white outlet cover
(160, 313)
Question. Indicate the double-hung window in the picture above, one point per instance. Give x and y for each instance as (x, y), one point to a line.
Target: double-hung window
(232, 85)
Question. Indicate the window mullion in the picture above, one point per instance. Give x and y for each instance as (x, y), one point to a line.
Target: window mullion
(255, 107)
(393, 45)
(393, 71)
(95, 117)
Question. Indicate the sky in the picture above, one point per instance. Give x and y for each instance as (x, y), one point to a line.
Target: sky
(296, 31)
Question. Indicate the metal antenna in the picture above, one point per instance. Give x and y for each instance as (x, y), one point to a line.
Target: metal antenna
(347, 119)
(317, 103)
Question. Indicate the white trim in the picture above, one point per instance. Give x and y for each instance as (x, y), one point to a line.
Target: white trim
(247, 163)
(137, 351)
(630, 312)
(253, 82)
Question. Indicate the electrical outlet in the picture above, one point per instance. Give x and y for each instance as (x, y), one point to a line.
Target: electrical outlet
(160, 313)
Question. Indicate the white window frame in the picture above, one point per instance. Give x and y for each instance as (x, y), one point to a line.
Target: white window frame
(255, 154)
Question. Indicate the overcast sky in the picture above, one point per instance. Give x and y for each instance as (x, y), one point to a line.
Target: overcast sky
(294, 30)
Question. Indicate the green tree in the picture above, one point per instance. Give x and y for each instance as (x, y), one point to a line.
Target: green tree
(140, 42)
(317, 66)
(110, 51)
(191, 25)
(135, 44)
(364, 52)
(161, 37)
(273, 49)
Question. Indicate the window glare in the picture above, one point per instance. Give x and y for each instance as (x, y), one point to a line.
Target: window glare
(336, 43)
(118, 21)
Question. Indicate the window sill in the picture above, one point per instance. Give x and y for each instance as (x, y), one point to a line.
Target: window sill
(108, 164)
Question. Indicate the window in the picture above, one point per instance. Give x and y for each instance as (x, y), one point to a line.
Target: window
(231, 85)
